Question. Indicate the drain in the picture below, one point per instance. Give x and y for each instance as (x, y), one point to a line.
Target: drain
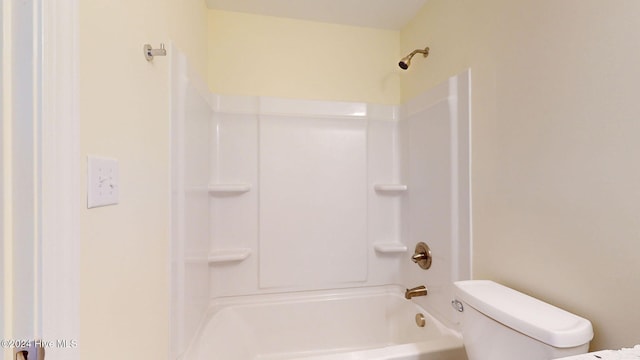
(420, 320)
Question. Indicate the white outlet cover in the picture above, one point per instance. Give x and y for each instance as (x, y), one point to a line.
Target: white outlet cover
(102, 181)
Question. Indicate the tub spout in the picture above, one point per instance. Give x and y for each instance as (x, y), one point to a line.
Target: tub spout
(416, 291)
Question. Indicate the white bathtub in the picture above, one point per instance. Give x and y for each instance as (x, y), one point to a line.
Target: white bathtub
(371, 324)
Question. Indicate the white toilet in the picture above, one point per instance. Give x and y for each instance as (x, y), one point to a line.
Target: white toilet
(499, 323)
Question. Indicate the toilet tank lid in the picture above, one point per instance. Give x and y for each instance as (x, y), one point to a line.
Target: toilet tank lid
(528, 315)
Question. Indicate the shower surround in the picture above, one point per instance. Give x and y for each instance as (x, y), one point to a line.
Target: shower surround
(282, 197)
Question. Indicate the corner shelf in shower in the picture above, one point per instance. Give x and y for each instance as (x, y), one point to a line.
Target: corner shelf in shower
(228, 189)
(390, 188)
(390, 247)
(228, 255)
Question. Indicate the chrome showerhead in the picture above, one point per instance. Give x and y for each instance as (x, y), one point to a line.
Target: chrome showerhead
(405, 62)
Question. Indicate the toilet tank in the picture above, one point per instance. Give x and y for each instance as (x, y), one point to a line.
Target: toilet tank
(499, 323)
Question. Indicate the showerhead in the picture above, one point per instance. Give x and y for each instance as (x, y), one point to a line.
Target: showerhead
(405, 62)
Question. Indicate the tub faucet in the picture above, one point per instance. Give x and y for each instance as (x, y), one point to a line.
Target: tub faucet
(416, 291)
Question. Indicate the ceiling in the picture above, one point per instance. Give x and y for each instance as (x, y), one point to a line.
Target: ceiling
(382, 14)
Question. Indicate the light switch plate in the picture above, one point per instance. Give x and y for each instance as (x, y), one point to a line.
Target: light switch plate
(102, 181)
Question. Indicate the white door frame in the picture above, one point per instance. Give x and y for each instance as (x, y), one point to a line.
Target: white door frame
(21, 122)
(60, 170)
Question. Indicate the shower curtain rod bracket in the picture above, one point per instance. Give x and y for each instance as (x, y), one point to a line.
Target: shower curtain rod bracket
(150, 52)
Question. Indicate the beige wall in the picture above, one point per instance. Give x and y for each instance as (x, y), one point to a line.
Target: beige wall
(270, 56)
(124, 110)
(556, 138)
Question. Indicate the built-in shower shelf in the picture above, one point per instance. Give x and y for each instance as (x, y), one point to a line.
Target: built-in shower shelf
(390, 187)
(228, 255)
(390, 247)
(221, 189)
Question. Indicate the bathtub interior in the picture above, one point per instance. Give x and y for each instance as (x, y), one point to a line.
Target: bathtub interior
(370, 323)
(276, 197)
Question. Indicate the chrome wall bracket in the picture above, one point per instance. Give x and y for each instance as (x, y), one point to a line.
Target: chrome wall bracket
(150, 52)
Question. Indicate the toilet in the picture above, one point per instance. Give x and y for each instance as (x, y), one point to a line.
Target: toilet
(499, 323)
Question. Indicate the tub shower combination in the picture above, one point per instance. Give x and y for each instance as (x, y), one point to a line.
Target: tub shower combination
(373, 323)
(301, 229)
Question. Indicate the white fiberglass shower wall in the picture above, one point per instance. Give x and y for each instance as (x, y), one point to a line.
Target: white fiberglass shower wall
(278, 195)
(293, 187)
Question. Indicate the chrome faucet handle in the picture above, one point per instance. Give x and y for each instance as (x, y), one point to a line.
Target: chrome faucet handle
(417, 257)
(422, 256)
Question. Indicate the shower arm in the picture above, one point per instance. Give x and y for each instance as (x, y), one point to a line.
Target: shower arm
(419, 51)
(405, 62)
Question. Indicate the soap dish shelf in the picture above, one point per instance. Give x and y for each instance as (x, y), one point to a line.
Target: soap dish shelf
(390, 188)
(229, 189)
(390, 247)
(228, 256)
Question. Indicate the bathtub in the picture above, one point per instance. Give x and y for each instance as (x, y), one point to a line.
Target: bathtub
(368, 324)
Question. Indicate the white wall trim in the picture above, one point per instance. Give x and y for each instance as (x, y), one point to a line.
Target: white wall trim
(273, 106)
(60, 177)
(5, 75)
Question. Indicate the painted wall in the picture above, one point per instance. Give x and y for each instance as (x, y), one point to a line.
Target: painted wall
(555, 141)
(268, 56)
(124, 110)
